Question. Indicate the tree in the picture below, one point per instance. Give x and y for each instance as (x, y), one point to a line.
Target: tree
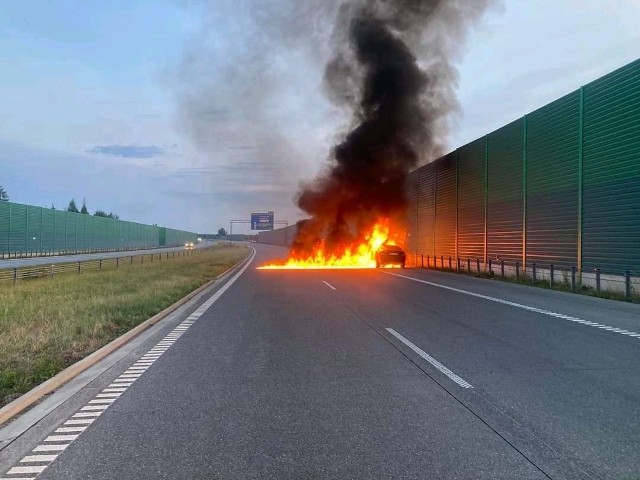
(4, 196)
(100, 213)
(84, 207)
(72, 207)
(53, 207)
(222, 232)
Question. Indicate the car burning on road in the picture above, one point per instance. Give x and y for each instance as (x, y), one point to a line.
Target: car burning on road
(389, 255)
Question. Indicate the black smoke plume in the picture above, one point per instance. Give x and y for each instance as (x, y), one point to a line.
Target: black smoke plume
(392, 68)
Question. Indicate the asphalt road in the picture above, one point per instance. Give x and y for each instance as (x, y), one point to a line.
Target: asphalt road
(395, 374)
(84, 257)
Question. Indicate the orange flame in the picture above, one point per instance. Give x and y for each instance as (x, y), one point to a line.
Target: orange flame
(358, 255)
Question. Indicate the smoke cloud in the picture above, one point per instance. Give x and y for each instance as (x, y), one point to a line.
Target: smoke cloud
(248, 92)
(392, 69)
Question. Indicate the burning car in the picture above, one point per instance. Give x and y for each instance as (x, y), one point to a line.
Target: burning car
(390, 255)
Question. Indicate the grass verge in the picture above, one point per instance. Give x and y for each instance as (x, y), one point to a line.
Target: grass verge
(49, 324)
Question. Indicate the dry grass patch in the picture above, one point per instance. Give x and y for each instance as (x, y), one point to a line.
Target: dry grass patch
(48, 324)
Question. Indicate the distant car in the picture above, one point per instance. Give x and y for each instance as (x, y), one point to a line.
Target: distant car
(390, 255)
(188, 245)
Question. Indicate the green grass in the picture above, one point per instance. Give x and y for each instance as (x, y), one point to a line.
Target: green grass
(48, 324)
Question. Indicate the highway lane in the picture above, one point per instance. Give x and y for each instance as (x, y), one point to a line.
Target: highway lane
(297, 375)
(565, 393)
(84, 257)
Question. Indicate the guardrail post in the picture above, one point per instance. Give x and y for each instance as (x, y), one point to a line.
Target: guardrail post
(117, 262)
(78, 268)
(100, 267)
(142, 261)
(458, 265)
(468, 266)
(627, 285)
(15, 276)
(450, 268)
(422, 260)
(597, 270)
(442, 262)
(152, 258)
(478, 265)
(551, 275)
(573, 279)
(502, 269)
(517, 271)
(131, 263)
(428, 261)
(490, 267)
(53, 270)
(533, 272)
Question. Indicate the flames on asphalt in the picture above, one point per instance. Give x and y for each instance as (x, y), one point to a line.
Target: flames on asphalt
(360, 254)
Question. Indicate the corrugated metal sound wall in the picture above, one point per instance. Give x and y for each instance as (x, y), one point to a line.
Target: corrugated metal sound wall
(559, 186)
(37, 230)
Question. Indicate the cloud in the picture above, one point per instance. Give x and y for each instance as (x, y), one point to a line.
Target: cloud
(127, 151)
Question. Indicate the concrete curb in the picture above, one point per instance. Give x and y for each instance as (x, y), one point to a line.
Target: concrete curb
(32, 396)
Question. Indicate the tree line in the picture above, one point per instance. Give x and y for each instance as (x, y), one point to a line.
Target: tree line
(4, 197)
(98, 213)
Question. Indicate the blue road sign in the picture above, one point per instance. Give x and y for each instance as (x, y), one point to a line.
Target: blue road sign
(262, 221)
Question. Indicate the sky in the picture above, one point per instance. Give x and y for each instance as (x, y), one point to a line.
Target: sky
(190, 113)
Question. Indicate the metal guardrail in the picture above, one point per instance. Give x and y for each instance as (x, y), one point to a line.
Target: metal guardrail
(42, 271)
(565, 278)
(4, 255)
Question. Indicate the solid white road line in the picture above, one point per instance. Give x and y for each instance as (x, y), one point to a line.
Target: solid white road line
(430, 359)
(329, 285)
(519, 305)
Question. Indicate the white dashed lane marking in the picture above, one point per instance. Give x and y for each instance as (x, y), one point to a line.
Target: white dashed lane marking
(524, 307)
(430, 359)
(329, 285)
(48, 451)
